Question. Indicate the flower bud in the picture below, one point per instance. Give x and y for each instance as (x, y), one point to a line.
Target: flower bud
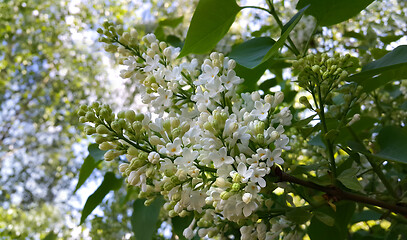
(316, 68)
(225, 195)
(247, 198)
(354, 119)
(89, 130)
(172, 213)
(123, 167)
(102, 129)
(105, 146)
(130, 115)
(304, 101)
(154, 140)
(222, 183)
(134, 33)
(167, 125)
(236, 187)
(111, 154)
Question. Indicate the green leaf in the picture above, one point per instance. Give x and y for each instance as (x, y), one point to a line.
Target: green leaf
(51, 236)
(303, 122)
(330, 12)
(95, 152)
(393, 144)
(397, 231)
(110, 182)
(348, 178)
(169, 22)
(354, 157)
(91, 162)
(354, 34)
(365, 216)
(250, 76)
(318, 229)
(393, 66)
(144, 218)
(317, 141)
(390, 38)
(325, 218)
(284, 34)
(174, 41)
(179, 224)
(267, 84)
(86, 170)
(210, 22)
(298, 215)
(250, 53)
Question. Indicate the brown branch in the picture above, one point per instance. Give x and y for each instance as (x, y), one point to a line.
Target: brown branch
(339, 194)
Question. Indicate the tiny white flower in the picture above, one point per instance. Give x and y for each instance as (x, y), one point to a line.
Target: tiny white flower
(173, 148)
(261, 110)
(220, 158)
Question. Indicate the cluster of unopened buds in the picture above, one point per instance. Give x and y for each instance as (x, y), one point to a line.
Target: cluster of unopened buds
(206, 149)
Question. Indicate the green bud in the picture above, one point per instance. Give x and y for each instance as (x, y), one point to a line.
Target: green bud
(105, 146)
(236, 187)
(259, 128)
(90, 116)
(208, 126)
(130, 116)
(175, 180)
(168, 186)
(148, 202)
(143, 156)
(111, 154)
(201, 223)
(260, 138)
(167, 125)
(83, 119)
(184, 128)
(183, 213)
(81, 112)
(169, 172)
(174, 122)
(116, 126)
(104, 113)
(122, 123)
(176, 197)
(137, 126)
(176, 132)
(225, 195)
(84, 107)
(100, 31)
(102, 129)
(121, 114)
(304, 101)
(172, 213)
(139, 117)
(132, 151)
(315, 68)
(170, 205)
(237, 178)
(90, 130)
(99, 139)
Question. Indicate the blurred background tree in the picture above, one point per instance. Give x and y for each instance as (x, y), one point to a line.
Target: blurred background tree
(51, 62)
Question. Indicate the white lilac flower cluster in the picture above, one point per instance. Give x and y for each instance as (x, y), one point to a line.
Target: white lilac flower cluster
(208, 151)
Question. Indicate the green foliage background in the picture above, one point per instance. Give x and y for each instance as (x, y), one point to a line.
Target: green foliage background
(45, 75)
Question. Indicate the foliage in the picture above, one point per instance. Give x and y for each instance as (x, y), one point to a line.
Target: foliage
(220, 158)
(341, 174)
